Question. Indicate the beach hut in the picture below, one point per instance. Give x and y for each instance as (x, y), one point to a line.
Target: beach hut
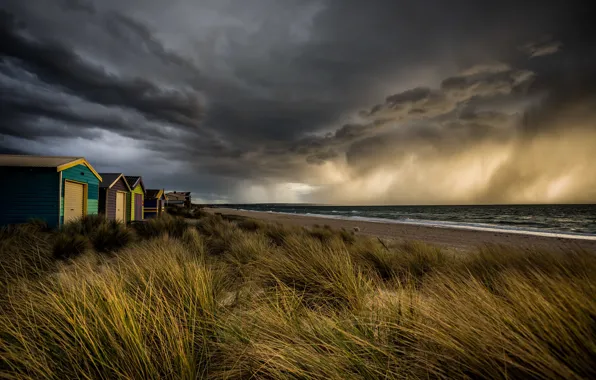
(178, 198)
(54, 189)
(154, 203)
(137, 197)
(114, 193)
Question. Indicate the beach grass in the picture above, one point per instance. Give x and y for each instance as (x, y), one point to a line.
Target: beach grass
(228, 298)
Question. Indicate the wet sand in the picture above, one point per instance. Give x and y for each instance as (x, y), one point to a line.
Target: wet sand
(454, 238)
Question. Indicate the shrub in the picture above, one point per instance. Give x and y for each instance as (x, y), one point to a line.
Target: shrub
(148, 314)
(243, 252)
(112, 236)
(194, 242)
(407, 263)
(222, 302)
(39, 225)
(245, 248)
(189, 213)
(25, 252)
(284, 338)
(324, 234)
(178, 211)
(105, 235)
(348, 237)
(488, 262)
(198, 213)
(85, 225)
(67, 245)
(324, 275)
(375, 260)
(277, 233)
(209, 226)
(539, 326)
(220, 237)
(166, 224)
(250, 225)
(415, 260)
(175, 227)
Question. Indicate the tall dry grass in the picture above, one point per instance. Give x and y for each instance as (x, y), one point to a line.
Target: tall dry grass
(235, 298)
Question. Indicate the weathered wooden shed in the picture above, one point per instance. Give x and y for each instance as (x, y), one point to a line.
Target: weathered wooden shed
(178, 198)
(137, 197)
(114, 193)
(154, 203)
(54, 189)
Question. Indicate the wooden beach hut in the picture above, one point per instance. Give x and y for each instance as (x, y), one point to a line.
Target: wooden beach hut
(137, 197)
(178, 198)
(54, 189)
(114, 193)
(154, 203)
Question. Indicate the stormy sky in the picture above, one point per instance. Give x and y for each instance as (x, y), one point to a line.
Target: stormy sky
(324, 101)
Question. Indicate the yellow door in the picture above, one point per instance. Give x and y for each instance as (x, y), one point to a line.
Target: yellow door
(121, 206)
(74, 200)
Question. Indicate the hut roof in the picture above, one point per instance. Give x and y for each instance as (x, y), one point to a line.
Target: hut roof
(59, 162)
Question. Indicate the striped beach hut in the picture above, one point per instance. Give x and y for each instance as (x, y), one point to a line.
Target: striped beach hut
(54, 189)
(137, 197)
(114, 193)
(155, 201)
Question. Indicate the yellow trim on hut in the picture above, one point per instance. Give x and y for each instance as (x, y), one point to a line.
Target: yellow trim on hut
(80, 161)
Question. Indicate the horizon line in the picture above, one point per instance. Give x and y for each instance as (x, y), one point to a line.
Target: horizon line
(401, 205)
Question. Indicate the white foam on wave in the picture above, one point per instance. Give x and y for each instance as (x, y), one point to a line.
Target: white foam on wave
(444, 224)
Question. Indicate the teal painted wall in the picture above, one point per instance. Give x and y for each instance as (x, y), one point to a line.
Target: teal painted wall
(28, 193)
(81, 173)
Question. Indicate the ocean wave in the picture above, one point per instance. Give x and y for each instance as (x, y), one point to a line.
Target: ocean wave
(532, 223)
(450, 224)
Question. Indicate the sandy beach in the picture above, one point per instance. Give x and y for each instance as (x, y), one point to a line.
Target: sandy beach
(454, 238)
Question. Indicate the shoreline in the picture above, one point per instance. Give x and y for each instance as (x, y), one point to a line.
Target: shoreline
(460, 238)
(442, 224)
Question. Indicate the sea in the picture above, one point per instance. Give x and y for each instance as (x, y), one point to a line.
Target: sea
(564, 220)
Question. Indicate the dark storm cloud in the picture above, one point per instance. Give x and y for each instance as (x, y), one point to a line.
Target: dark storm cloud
(487, 83)
(541, 48)
(350, 131)
(79, 5)
(409, 96)
(321, 157)
(477, 82)
(11, 151)
(23, 105)
(56, 64)
(269, 91)
(125, 28)
(434, 137)
(441, 117)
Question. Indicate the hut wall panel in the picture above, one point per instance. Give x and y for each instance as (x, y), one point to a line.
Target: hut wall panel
(128, 206)
(102, 201)
(153, 207)
(137, 190)
(29, 193)
(138, 206)
(111, 198)
(151, 203)
(131, 211)
(81, 173)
